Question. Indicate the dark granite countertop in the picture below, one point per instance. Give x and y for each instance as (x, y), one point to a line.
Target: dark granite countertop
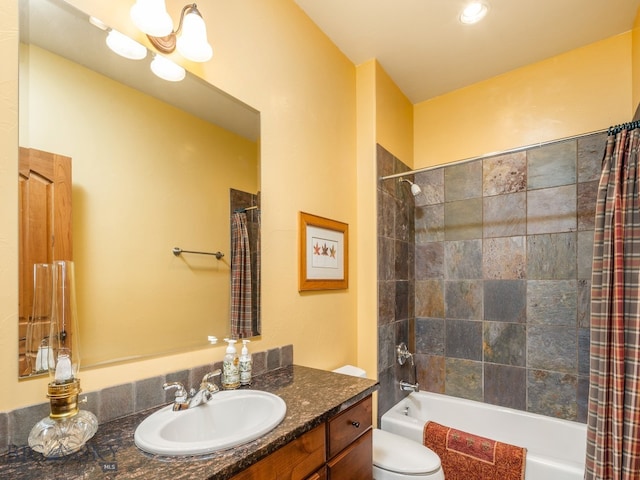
(312, 396)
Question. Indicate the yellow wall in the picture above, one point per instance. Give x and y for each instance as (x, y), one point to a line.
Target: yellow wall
(271, 56)
(366, 249)
(581, 91)
(636, 63)
(394, 118)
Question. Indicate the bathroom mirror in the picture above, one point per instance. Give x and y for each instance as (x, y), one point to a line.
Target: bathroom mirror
(153, 166)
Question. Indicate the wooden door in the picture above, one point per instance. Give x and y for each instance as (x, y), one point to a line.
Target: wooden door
(44, 224)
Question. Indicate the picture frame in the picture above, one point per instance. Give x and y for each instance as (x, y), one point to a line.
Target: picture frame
(324, 253)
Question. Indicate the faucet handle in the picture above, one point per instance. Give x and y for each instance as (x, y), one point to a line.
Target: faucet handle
(210, 375)
(207, 384)
(181, 393)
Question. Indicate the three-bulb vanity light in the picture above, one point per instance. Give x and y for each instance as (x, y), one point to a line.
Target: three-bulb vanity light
(190, 38)
(151, 17)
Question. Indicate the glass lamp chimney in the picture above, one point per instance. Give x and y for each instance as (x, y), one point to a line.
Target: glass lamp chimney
(63, 342)
(63, 331)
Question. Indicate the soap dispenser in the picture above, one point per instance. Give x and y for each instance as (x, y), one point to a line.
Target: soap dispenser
(245, 364)
(230, 367)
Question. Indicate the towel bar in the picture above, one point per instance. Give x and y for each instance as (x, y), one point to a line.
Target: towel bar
(177, 251)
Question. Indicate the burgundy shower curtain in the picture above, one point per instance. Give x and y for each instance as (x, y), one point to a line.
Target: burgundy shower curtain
(240, 277)
(613, 425)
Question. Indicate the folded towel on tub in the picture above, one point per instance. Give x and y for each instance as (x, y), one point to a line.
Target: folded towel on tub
(466, 456)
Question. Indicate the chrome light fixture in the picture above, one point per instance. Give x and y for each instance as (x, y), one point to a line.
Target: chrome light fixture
(190, 38)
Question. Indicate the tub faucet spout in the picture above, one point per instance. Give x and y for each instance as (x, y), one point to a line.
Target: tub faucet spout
(409, 387)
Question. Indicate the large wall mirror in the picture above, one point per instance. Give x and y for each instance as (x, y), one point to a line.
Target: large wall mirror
(154, 165)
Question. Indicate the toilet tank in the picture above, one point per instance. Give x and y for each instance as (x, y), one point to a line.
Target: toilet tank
(351, 370)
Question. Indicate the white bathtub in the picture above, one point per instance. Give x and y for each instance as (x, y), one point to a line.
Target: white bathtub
(555, 448)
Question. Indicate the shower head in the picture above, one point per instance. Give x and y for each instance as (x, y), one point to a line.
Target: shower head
(415, 189)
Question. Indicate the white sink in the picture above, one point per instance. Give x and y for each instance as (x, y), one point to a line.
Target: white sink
(230, 418)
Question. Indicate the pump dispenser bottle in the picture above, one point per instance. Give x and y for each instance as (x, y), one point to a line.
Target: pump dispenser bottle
(230, 367)
(245, 364)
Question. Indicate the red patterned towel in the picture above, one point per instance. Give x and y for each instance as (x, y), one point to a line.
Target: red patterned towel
(465, 456)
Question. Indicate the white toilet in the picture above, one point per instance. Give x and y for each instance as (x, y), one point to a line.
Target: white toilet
(396, 457)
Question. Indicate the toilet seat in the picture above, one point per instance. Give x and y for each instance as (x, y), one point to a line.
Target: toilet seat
(398, 454)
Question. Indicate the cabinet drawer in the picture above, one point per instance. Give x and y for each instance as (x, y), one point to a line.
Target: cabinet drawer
(345, 427)
(295, 461)
(319, 475)
(355, 462)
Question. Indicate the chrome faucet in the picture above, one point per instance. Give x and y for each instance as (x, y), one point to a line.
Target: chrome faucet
(202, 395)
(206, 390)
(406, 386)
(402, 354)
(181, 401)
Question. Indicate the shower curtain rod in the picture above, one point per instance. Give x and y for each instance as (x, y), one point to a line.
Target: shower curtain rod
(492, 154)
(245, 209)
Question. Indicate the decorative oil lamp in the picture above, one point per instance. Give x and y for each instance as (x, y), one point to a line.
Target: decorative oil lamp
(67, 428)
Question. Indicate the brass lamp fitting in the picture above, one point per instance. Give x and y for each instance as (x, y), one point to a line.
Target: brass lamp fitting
(63, 399)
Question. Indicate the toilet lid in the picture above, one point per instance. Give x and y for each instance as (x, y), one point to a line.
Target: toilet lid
(399, 454)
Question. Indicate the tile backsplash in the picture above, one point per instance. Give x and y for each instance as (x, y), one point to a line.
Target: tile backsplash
(121, 400)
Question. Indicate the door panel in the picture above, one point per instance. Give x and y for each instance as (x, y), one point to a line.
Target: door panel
(44, 224)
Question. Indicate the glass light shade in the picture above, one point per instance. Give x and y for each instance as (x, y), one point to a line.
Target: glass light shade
(96, 22)
(192, 42)
(125, 46)
(37, 350)
(151, 17)
(166, 69)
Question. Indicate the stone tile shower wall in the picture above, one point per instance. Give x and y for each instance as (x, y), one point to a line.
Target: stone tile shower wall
(502, 262)
(396, 295)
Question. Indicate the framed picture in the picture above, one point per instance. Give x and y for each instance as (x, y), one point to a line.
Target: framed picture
(324, 253)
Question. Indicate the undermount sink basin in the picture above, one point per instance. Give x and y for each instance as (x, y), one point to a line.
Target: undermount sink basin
(230, 418)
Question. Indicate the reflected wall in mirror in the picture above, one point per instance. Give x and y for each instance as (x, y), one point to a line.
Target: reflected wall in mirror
(151, 170)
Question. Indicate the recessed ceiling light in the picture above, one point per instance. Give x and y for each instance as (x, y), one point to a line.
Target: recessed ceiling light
(474, 12)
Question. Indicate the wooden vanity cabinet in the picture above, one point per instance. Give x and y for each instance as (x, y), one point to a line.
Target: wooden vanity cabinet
(350, 443)
(319, 475)
(297, 460)
(340, 449)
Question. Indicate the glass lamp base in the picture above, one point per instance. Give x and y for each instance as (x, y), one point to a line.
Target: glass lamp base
(63, 436)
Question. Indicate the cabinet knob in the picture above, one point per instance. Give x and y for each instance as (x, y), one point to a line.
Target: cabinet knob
(356, 424)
